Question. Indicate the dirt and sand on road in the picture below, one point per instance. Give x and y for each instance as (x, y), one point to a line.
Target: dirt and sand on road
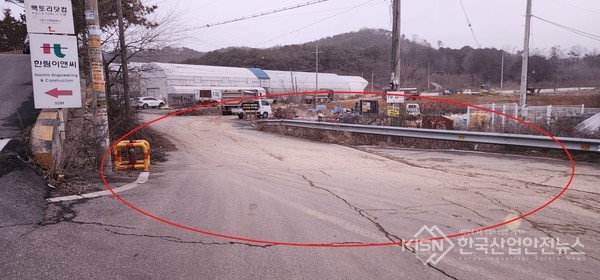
(265, 186)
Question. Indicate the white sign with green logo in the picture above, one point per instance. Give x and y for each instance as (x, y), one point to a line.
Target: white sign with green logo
(55, 71)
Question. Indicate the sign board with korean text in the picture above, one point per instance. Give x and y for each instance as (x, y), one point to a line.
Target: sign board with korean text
(94, 30)
(49, 16)
(394, 99)
(393, 111)
(89, 15)
(55, 71)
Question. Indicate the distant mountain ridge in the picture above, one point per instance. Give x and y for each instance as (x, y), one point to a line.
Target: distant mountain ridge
(367, 53)
(167, 55)
(355, 53)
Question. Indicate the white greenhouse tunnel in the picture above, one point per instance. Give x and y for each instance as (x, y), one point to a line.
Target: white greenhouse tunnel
(160, 79)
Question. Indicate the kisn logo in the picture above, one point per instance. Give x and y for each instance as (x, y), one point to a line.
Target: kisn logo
(433, 250)
(57, 49)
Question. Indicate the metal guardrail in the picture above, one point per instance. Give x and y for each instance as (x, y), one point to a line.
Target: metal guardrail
(580, 144)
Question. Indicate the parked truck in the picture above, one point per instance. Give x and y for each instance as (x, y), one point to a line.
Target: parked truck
(185, 96)
(320, 96)
(259, 108)
(235, 94)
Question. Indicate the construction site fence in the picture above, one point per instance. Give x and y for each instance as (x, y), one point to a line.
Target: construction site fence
(481, 119)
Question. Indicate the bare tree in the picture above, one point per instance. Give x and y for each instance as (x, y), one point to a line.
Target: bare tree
(556, 54)
(576, 52)
(140, 41)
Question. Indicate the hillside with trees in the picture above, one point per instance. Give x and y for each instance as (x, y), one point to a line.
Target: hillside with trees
(166, 55)
(12, 31)
(367, 53)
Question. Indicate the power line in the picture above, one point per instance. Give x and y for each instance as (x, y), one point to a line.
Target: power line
(570, 29)
(322, 11)
(469, 22)
(263, 13)
(316, 22)
(269, 17)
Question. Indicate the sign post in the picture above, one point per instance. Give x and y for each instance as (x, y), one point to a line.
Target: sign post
(100, 105)
(49, 16)
(395, 97)
(393, 111)
(55, 71)
(54, 55)
(55, 60)
(393, 102)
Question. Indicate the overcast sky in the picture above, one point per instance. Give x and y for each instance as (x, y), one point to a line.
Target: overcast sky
(496, 23)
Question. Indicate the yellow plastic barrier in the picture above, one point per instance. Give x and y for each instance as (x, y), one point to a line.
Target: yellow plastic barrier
(117, 159)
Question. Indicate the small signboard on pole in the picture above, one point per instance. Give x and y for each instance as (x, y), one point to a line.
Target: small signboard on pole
(49, 16)
(393, 111)
(55, 71)
(394, 99)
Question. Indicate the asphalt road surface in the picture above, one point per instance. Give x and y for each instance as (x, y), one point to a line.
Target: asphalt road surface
(16, 95)
(21, 190)
(230, 179)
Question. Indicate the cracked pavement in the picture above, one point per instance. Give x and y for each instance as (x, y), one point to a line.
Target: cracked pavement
(230, 179)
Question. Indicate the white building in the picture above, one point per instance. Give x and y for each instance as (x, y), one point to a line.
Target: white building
(161, 79)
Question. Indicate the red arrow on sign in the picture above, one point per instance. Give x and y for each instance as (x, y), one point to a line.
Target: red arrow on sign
(56, 92)
(50, 29)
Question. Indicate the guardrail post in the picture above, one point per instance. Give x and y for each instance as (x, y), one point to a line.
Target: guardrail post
(493, 117)
(468, 117)
(548, 114)
(503, 117)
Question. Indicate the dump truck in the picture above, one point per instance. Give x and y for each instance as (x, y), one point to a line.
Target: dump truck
(236, 94)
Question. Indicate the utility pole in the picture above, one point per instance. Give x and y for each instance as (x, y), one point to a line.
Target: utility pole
(502, 73)
(99, 105)
(317, 68)
(525, 68)
(396, 38)
(124, 66)
(372, 81)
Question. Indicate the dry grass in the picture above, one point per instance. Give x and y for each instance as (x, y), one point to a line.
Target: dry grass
(206, 111)
(159, 145)
(76, 170)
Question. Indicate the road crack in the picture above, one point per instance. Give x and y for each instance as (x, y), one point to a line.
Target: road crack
(468, 208)
(179, 240)
(17, 225)
(539, 227)
(379, 226)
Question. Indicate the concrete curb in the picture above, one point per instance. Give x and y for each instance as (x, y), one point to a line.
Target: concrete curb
(143, 178)
(43, 134)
